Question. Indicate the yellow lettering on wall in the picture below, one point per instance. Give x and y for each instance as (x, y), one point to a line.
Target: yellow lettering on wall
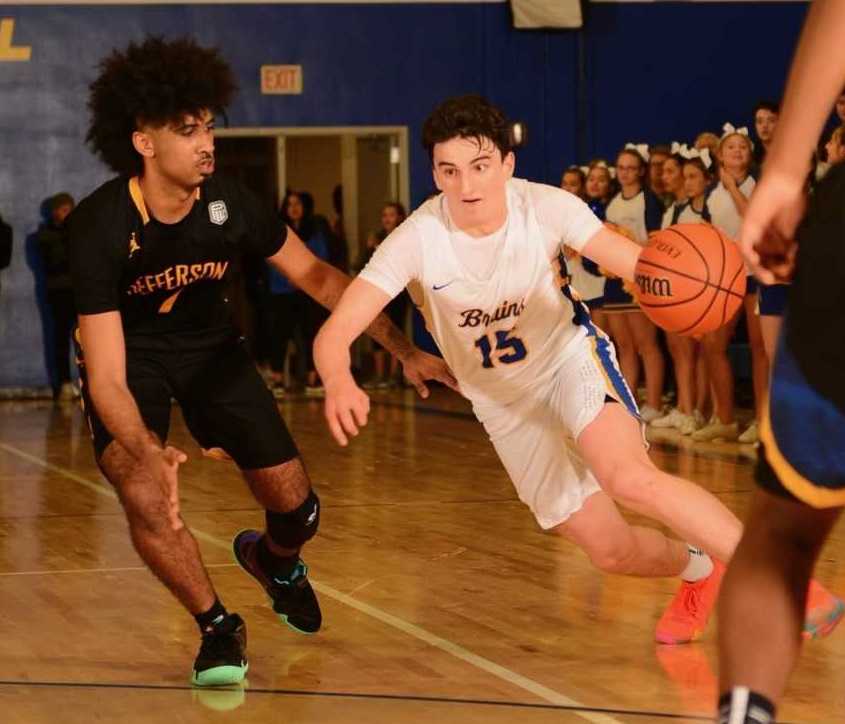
(9, 52)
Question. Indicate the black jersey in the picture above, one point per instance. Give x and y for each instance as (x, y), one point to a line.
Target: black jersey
(816, 303)
(167, 280)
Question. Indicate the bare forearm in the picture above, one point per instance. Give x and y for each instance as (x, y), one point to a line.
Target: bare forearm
(331, 352)
(119, 412)
(816, 79)
(327, 287)
(613, 252)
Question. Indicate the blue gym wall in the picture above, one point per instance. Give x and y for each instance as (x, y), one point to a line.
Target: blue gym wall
(650, 72)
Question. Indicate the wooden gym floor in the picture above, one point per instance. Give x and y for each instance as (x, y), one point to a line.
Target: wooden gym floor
(443, 602)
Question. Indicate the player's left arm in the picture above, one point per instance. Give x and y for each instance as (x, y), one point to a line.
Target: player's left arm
(613, 251)
(571, 222)
(325, 284)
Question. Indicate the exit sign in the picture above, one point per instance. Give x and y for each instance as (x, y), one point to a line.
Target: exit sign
(281, 79)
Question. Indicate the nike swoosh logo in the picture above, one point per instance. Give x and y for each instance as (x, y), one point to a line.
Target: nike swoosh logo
(437, 288)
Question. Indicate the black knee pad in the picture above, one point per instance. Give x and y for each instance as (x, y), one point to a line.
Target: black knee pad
(293, 529)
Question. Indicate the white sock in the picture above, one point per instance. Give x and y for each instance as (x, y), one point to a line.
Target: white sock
(699, 566)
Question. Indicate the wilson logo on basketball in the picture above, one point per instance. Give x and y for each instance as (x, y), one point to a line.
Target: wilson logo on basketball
(655, 286)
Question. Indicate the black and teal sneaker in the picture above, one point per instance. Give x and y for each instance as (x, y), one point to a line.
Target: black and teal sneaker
(293, 598)
(222, 657)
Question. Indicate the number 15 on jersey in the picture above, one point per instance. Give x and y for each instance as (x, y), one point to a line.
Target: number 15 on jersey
(513, 348)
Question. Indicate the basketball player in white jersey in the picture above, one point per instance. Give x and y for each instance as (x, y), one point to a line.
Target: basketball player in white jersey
(484, 261)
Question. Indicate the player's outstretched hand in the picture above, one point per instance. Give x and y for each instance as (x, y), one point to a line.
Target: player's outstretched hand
(347, 407)
(163, 464)
(422, 366)
(767, 239)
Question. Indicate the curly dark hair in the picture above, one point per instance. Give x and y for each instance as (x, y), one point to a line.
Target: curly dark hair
(152, 83)
(470, 116)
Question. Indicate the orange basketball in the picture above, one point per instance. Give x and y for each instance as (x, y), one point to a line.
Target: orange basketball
(691, 279)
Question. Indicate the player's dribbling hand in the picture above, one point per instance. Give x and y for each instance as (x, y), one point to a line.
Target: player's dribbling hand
(163, 464)
(421, 366)
(347, 407)
(767, 239)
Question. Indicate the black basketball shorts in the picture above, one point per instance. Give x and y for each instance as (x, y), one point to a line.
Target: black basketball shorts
(224, 401)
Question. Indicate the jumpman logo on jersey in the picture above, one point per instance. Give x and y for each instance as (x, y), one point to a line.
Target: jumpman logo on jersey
(133, 245)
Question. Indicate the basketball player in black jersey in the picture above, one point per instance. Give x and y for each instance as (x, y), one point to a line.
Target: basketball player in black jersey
(151, 253)
(801, 466)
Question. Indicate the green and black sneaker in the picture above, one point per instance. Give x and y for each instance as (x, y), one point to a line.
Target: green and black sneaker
(293, 598)
(222, 657)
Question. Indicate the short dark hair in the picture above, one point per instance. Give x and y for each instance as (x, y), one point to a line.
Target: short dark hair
(155, 82)
(771, 106)
(399, 207)
(662, 148)
(469, 116)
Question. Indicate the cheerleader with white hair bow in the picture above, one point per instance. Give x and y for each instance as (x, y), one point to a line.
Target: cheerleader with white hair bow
(691, 380)
(635, 211)
(727, 203)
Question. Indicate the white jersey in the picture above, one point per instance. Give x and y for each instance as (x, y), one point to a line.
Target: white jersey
(589, 286)
(514, 328)
(689, 215)
(723, 212)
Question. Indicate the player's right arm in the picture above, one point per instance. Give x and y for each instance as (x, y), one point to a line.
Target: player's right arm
(97, 243)
(394, 263)
(101, 337)
(347, 405)
(777, 205)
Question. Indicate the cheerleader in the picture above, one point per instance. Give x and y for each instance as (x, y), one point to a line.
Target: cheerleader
(635, 211)
(726, 204)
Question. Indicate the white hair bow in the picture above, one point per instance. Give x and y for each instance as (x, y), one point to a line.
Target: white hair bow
(585, 169)
(702, 154)
(728, 130)
(640, 148)
(676, 148)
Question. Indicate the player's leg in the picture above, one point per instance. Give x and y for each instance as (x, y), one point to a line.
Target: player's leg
(615, 546)
(172, 556)
(273, 556)
(758, 645)
(227, 406)
(550, 477)
(597, 407)
(625, 471)
(802, 439)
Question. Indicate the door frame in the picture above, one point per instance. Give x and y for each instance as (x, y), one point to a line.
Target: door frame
(348, 163)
